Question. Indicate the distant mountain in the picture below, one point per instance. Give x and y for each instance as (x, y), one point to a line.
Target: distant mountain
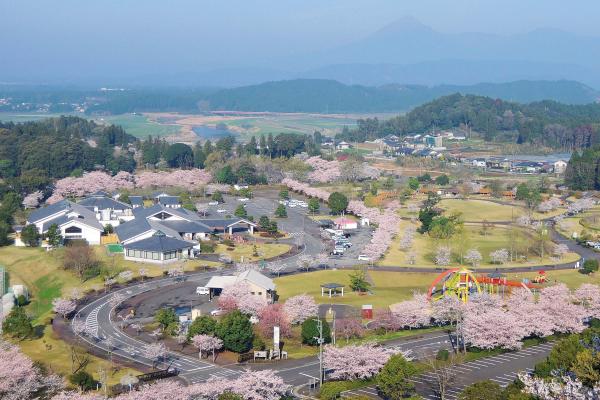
(456, 72)
(328, 96)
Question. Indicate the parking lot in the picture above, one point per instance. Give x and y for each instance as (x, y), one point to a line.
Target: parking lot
(298, 224)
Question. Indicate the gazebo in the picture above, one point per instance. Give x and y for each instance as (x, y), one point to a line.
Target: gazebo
(332, 288)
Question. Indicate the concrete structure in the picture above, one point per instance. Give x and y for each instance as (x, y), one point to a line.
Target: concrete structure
(331, 288)
(258, 284)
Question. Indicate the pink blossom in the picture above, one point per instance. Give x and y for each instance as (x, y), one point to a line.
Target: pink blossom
(32, 200)
(354, 362)
(206, 343)
(238, 296)
(63, 307)
(300, 308)
(251, 385)
(155, 352)
(323, 171)
(271, 316)
(414, 313)
(349, 328)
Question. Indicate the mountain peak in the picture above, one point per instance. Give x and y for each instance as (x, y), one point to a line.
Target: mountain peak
(404, 24)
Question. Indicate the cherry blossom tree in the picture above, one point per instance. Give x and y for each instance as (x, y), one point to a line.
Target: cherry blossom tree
(473, 257)
(300, 308)
(562, 387)
(250, 385)
(354, 361)
(524, 220)
(589, 297)
(580, 205)
(32, 200)
(323, 171)
(443, 255)
(384, 320)
(349, 328)
(499, 256)
(414, 313)
(560, 250)
(206, 343)
(20, 378)
(238, 296)
(63, 307)
(155, 352)
(160, 390)
(549, 205)
(271, 316)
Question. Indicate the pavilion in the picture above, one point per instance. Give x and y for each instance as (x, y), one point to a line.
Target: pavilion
(332, 288)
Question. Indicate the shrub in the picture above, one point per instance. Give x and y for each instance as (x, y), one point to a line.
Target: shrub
(207, 247)
(590, 266)
(17, 324)
(393, 381)
(166, 317)
(442, 355)
(83, 380)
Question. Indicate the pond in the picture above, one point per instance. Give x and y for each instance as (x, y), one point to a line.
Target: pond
(207, 132)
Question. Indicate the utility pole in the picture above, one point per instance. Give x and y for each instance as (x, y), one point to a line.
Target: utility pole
(320, 342)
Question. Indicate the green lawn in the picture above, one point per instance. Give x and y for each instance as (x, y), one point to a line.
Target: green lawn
(388, 287)
(479, 210)
(497, 237)
(139, 125)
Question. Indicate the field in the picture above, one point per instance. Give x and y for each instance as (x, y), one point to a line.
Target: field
(139, 125)
(476, 210)
(495, 238)
(245, 251)
(387, 287)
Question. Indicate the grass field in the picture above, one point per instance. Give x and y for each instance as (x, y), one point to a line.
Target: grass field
(140, 126)
(388, 287)
(497, 237)
(246, 251)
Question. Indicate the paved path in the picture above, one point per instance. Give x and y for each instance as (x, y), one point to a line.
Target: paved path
(502, 369)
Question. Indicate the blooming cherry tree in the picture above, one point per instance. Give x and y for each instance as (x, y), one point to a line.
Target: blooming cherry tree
(499, 256)
(443, 255)
(63, 307)
(355, 361)
(155, 352)
(206, 343)
(473, 257)
(300, 308)
(414, 313)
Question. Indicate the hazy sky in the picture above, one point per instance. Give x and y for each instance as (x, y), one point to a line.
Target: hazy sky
(101, 37)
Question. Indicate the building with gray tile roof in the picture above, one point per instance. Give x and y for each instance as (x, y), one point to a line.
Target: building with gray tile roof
(158, 248)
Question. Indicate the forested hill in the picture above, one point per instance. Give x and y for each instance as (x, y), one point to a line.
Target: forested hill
(547, 123)
(327, 96)
(39, 151)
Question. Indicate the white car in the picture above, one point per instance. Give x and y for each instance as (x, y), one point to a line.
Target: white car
(363, 257)
(213, 203)
(216, 312)
(202, 291)
(243, 199)
(221, 210)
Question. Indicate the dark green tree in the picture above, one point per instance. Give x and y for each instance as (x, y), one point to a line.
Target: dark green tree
(235, 330)
(442, 180)
(203, 325)
(83, 380)
(310, 332)
(180, 155)
(17, 324)
(313, 205)
(165, 317)
(284, 194)
(337, 202)
(240, 211)
(218, 196)
(280, 211)
(30, 235)
(264, 223)
(393, 380)
(53, 236)
(199, 156)
(413, 183)
(226, 175)
(483, 390)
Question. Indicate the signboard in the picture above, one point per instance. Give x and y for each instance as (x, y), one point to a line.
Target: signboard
(3, 282)
(276, 338)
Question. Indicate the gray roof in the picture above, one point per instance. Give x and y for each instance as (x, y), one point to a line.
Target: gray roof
(132, 228)
(48, 211)
(168, 200)
(257, 278)
(103, 203)
(159, 242)
(136, 200)
(81, 218)
(186, 226)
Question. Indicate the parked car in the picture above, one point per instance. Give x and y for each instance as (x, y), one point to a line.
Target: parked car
(363, 257)
(221, 210)
(345, 245)
(213, 203)
(338, 250)
(243, 199)
(218, 311)
(202, 291)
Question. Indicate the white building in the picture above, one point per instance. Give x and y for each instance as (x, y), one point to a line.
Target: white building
(560, 167)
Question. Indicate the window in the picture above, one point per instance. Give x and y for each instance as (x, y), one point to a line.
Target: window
(155, 255)
(73, 229)
(260, 293)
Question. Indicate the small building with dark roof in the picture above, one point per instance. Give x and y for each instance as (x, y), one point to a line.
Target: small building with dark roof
(136, 201)
(158, 248)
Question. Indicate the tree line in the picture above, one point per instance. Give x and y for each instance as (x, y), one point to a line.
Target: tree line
(546, 123)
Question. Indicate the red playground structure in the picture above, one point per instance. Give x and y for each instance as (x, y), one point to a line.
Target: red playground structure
(462, 283)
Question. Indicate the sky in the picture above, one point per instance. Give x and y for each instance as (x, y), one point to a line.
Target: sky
(85, 39)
